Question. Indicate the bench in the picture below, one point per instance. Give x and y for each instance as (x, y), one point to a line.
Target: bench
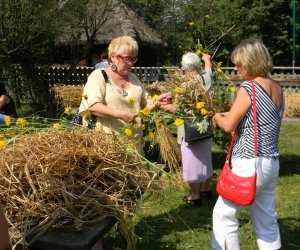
(66, 238)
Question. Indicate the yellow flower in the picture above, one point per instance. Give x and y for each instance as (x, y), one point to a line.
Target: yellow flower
(178, 122)
(143, 126)
(198, 52)
(206, 16)
(154, 98)
(131, 100)
(7, 120)
(203, 111)
(144, 112)
(191, 24)
(2, 143)
(21, 121)
(141, 114)
(219, 64)
(84, 96)
(178, 90)
(56, 125)
(68, 110)
(151, 135)
(200, 105)
(232, 89)
(219, 70)
(128, 131)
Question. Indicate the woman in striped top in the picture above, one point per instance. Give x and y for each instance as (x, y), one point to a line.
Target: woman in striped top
(254, 63)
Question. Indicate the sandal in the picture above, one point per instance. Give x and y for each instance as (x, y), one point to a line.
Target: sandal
(196, 202)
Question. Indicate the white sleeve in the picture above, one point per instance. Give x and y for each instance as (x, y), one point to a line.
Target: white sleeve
(207, 76)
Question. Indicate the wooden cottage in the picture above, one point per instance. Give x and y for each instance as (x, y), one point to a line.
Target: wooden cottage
(103, 21)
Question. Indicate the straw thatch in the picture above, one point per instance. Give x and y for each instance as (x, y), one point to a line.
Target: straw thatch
(108, 19)
(75, 177)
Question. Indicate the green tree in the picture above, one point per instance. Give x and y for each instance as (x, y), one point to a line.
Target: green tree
(27, 35)
(187, 23)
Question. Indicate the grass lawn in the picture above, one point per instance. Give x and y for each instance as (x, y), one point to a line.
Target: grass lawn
(166, 222)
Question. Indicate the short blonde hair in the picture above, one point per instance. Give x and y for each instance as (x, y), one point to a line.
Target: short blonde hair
(253, 56)
(121, 44)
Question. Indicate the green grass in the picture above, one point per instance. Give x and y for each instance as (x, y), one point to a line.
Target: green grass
(165, 222)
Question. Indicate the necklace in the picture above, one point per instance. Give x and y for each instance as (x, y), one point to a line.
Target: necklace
(123, 91)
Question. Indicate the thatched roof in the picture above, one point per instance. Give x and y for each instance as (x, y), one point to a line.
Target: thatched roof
(112, 19)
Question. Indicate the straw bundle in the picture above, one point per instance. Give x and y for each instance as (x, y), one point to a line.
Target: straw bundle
(47, 179)
(292, 104)
(69, 95)
(169, 148)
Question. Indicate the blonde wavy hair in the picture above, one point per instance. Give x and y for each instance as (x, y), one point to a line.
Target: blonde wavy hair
(121, 44)
(253, 56)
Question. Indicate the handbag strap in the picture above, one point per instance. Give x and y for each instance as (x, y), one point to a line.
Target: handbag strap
(255, 127)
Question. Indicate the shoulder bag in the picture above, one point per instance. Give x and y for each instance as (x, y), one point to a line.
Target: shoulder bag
(240, 190)
(192, 133)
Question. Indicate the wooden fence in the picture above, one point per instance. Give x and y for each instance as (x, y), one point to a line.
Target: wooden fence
(288, 77)
(284, 75)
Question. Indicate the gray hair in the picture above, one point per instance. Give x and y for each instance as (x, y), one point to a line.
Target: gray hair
(190, 61)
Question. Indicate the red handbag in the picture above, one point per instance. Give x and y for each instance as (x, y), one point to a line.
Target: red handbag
(238, 189)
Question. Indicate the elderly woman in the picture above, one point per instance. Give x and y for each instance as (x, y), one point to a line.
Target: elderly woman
(254, 63)
(196, 156)
(115, 95)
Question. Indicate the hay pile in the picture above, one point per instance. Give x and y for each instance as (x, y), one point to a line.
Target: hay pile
(292, 104)
(75, 177)
(69, 95)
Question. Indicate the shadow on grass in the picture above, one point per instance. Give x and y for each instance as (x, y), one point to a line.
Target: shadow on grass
(168, 229)
(289, 164)
(177, 224)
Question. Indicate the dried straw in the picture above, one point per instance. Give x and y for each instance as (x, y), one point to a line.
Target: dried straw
(169, 148)
(157, 88)
(50, 178)
(69, 95)
(292, 104)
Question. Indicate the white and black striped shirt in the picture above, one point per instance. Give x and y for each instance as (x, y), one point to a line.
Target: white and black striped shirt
(268, 125)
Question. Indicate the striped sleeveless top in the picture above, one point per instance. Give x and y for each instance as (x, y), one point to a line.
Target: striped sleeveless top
(268, 125)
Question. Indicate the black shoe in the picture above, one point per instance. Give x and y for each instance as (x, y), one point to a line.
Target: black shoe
(206, 194)
(196, 202)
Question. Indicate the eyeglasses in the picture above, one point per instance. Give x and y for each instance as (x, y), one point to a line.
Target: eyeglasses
(128, 59)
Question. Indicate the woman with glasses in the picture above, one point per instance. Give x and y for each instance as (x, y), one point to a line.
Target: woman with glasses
(115, 95)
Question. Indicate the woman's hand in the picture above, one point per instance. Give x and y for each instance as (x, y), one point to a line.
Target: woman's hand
(214, 121)
(217, 115)
(128, 116)
(165, 98)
